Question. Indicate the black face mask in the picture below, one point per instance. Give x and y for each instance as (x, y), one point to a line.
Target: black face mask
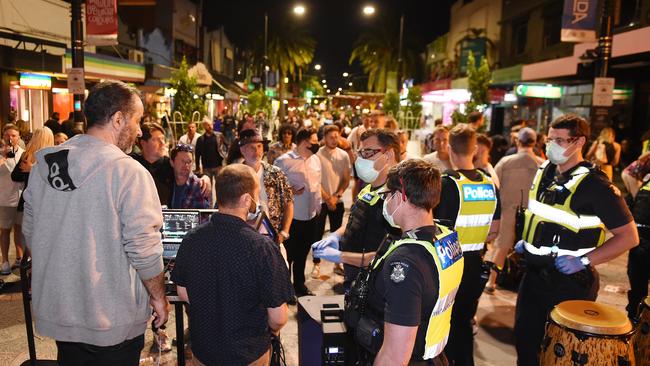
(314, 148)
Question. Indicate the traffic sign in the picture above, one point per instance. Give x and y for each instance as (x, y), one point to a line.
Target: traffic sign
(603, 92)
(76, 83)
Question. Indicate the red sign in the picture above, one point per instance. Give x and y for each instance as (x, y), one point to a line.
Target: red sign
(442, 84)
(101, 22)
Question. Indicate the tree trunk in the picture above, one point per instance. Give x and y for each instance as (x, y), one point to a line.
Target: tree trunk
(281, 97)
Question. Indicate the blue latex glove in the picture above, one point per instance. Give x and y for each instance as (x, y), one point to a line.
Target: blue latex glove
(569, 264)
(331, 241)
(329, 254)
(519, 247)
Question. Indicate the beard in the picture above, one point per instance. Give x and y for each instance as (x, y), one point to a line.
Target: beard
(126, 139)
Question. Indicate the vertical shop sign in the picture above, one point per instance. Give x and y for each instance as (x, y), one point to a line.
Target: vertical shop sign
(101, 22)
(579, 21)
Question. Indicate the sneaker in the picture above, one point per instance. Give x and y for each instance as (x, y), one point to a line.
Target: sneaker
(338, 269)
(6, 269)
(315, 272)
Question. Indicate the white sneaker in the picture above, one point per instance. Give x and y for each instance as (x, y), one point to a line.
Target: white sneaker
(315, 272)
(6, 269)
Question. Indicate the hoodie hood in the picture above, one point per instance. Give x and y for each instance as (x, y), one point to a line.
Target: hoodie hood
(68, 166)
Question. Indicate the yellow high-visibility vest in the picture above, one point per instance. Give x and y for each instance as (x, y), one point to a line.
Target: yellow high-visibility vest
(549, 224)
(448, 257)
(477, 203)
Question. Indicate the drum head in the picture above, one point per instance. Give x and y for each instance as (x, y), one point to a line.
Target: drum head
(591, 317)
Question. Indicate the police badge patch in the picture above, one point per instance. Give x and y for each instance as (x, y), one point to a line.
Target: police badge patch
(399, 270)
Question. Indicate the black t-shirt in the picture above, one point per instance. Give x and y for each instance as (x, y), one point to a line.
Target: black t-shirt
(163, 176)
(447, 210)
(595, 196)
(408, 300)
(232, 275)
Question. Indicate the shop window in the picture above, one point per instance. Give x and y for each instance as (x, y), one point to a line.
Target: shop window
(519, 37)
(626, 12)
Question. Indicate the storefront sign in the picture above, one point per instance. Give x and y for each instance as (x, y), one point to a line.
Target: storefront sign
(579, 21)
(477, 46)
(539, 91)
(101, 22)
(35, 81)
(603, 92)
(107, 67)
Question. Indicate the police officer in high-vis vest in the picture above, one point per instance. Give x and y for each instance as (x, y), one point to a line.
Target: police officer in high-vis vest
(403, 315)
(571, 204)
(355, 244)
(638, 262)
(469, 203)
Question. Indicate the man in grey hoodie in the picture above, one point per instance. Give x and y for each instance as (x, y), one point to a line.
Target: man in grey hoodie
(92, 220)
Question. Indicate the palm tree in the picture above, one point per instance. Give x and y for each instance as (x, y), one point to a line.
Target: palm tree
(290, 49)
(377, 52)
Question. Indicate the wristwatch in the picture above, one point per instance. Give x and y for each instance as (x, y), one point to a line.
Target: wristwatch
(585, 260)
(285, 234)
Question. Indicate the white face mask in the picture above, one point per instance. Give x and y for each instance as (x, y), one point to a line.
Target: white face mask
(556, 152)
(366, 169)
(389, 217)
(252, 216)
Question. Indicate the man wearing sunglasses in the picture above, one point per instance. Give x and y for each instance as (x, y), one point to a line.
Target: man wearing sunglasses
(356, 244)
(571, 204)
(469, 204)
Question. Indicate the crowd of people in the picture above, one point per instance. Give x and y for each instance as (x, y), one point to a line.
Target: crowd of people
(424, 239)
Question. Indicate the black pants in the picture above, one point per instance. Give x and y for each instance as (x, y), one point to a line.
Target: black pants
(638, 271)
(539, 292)
(460, 347)
(336, 220)
(303, 234)
(126, 353)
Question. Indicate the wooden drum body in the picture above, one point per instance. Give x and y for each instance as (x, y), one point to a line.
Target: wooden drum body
(587, 333)
(642, 335)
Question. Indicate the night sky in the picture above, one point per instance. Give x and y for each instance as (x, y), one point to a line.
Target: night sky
(335, 24)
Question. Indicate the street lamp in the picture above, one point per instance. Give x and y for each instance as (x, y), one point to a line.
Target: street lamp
(299, 9)
(368, 10)
(340, 89)
(328, 91)
(345, 74)
(317, 67)
(324, 81)
(350, 83)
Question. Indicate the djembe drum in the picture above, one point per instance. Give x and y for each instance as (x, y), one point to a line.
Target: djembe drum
(587, 333)
(641, 339)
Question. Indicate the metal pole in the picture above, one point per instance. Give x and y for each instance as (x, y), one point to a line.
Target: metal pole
(77, 33)
(399, 53)
(605, 39)
(266, 56)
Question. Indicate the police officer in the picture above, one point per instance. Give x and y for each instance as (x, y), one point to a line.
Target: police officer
(638, 268)
(469, 204)
(570, 205)
(355, 245)
(413, 280)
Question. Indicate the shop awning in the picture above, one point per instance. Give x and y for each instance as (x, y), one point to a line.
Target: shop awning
(107, 67)
(624, 44)
(229, 87)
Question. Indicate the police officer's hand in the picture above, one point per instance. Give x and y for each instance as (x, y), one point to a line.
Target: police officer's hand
(568, 264)
(519, 247)
(329, 254)
(332, 240)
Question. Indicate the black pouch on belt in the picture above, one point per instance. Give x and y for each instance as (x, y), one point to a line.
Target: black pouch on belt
(369, 334)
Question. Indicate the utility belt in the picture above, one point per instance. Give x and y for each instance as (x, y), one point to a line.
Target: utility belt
(544, 267)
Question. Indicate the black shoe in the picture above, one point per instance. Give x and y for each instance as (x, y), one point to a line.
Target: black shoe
(304, 291)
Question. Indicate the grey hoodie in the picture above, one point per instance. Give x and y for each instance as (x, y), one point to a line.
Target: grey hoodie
(92, 220)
